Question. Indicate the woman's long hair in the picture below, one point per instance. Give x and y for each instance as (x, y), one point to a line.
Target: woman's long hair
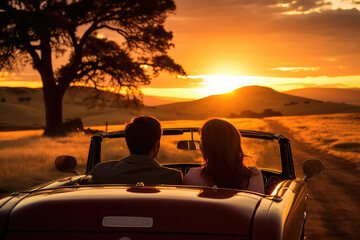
(223, 155)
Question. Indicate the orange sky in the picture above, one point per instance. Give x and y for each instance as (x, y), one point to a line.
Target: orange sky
(226, 44)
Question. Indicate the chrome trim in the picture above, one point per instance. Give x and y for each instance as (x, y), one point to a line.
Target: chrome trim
(276, 198)
(265, 180)
(125, 221)
(140, 184)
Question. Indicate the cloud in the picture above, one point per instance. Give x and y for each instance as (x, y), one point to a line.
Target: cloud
(251, 37)
(308, 85)
(305, 5)
(335, 85)
(167, 81)
(295, 69)
(221, 6)
(334, 23)
(295, 85)
(239, 11)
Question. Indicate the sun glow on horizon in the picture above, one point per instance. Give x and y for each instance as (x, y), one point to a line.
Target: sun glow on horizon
(219, 84)
(207, 85)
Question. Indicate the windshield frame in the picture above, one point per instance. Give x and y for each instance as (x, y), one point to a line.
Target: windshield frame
(284, 145)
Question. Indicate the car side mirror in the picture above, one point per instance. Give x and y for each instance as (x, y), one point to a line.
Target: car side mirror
(312, 167)
(188, 145)
(66, 163)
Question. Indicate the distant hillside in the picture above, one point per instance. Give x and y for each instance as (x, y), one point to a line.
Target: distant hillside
(23, 108)
(155, 100)
(339, 95)
(355, 89)
(256, 99)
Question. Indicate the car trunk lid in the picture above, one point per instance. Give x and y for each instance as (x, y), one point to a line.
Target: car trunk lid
(136, 209)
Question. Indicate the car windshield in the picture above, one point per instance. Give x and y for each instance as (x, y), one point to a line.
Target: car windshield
(264, 153)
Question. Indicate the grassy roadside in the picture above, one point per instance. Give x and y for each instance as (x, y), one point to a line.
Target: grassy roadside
(337, 134)
(27, 158)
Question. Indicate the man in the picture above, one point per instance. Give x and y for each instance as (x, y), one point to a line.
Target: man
(142, 137)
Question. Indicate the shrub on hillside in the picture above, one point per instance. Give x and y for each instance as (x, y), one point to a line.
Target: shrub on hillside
(290, 103)
(250, 114)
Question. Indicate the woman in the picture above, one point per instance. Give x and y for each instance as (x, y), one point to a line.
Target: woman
(224, 160)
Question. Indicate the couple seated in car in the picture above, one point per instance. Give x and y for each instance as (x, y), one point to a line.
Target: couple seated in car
(220, 145)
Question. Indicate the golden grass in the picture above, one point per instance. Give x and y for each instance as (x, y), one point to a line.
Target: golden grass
(337, 134)
(29, 160)
(13, 135)
(241, 123)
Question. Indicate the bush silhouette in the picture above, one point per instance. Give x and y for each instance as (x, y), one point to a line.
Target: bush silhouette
(24, 99)
(290, 103)
(268, 112)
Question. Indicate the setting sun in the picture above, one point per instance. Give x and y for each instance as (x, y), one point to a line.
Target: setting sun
(218, 84)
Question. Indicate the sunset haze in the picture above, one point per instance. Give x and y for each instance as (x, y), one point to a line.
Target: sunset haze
(224, 45)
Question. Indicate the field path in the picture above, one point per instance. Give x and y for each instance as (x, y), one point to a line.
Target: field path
(334, 197)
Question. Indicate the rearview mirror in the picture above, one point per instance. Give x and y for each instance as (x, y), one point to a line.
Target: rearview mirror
(66, 163)
(312, 167)
(188, 145)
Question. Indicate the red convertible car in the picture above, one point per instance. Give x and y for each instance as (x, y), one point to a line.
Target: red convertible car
(74, 208)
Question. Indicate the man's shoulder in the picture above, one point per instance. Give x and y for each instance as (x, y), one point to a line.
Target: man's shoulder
(105, 165)
(171, 172)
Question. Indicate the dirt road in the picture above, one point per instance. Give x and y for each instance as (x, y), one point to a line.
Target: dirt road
(334, 197)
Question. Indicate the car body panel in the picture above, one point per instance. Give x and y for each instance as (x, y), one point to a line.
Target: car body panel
(73, 208)
(118, 236)
(173, 209)
(283, 217)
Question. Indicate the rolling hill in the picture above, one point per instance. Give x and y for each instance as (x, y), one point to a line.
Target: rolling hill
(340, 95)
(155, 100)
(254, 98)
(23, 108)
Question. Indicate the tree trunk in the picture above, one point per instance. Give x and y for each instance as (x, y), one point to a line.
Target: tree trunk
(53, 108)
(52, 95)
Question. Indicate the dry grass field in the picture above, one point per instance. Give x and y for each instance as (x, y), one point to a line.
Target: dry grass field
(30, 114)
(27, 158)
(337, 134)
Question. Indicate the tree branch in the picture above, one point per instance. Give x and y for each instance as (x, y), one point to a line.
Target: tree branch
(121, 32)
(30, 49)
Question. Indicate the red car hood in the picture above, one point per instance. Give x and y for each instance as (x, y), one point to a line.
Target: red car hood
(169, 209)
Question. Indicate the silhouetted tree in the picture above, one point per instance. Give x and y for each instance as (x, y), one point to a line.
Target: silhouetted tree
(233, 115)
(290, 103)
(34, 31)
(268, 112)
(22, 99)
(249, 114)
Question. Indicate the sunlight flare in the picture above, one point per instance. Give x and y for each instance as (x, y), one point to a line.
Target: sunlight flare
(100, 36)
(296, 69)
(144, 66)
(219, 84)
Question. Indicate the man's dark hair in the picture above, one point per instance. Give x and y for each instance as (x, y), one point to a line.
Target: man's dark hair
(141, 134)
